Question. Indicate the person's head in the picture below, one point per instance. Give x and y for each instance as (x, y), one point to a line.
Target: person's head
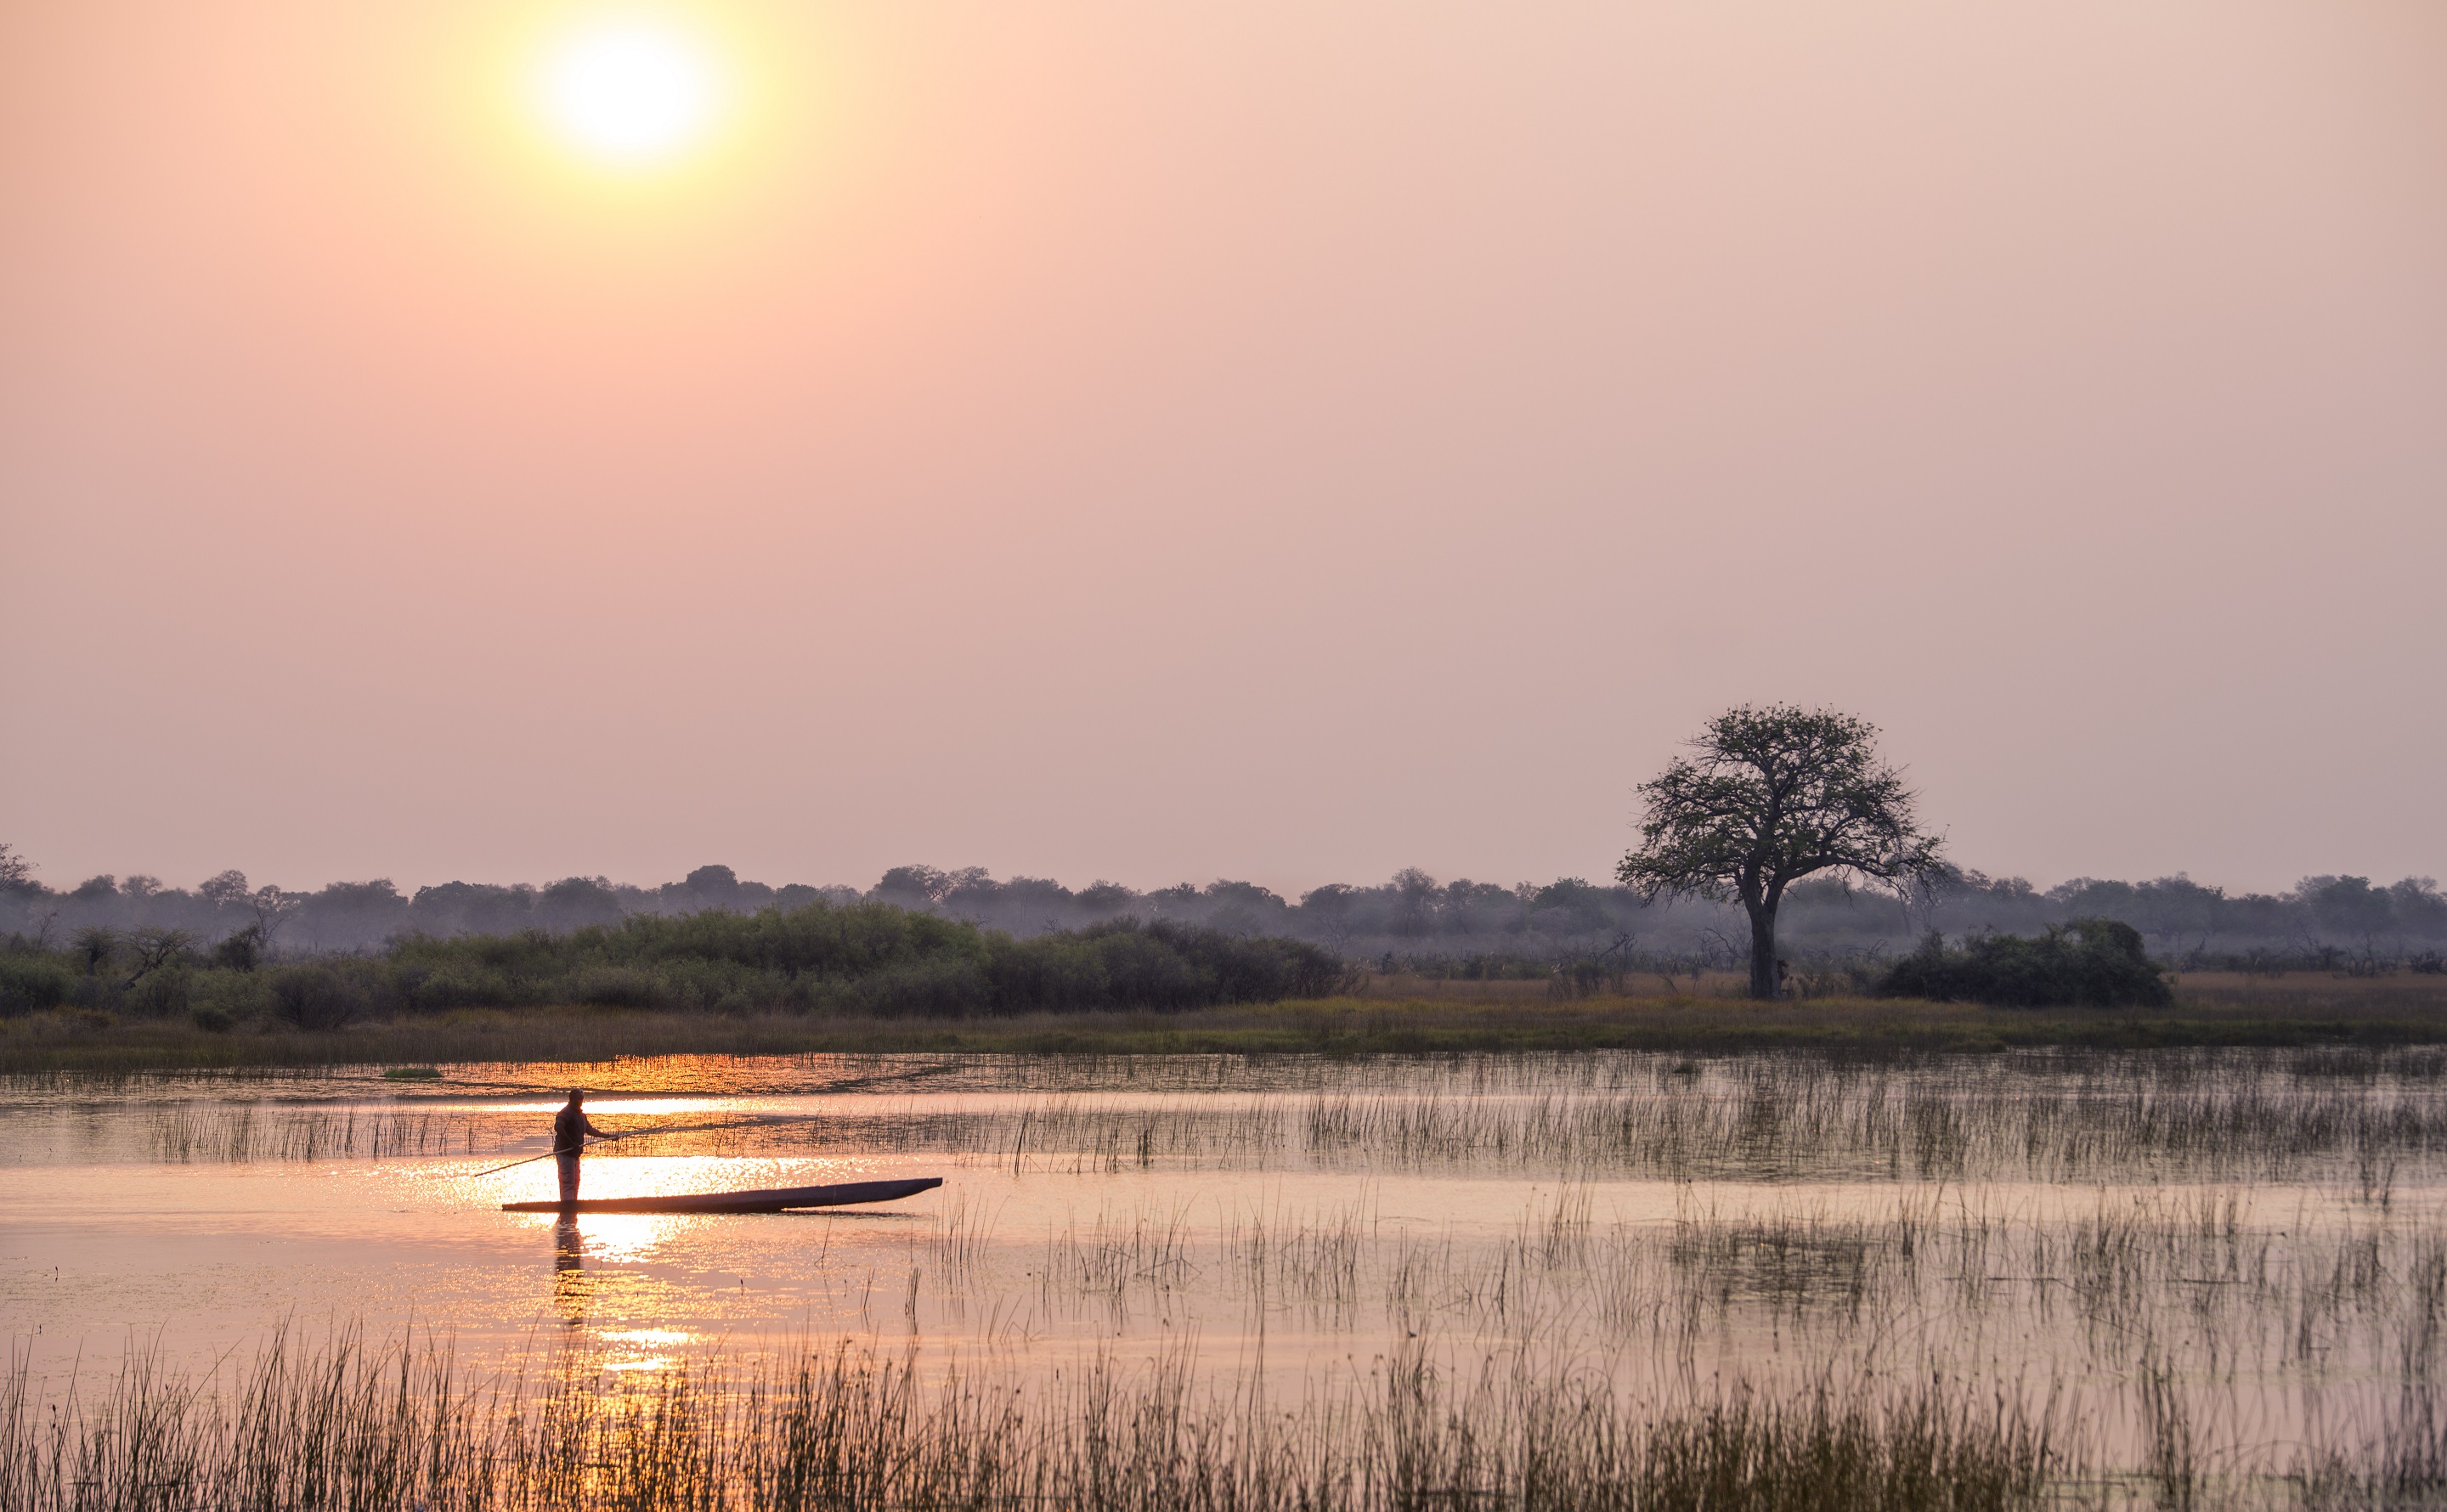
(577, 1095)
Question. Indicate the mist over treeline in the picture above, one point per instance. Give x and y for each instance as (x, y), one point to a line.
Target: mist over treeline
(1411, 919)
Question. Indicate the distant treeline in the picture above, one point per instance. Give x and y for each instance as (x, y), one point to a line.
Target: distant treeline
(1413, 919)
(853, 959)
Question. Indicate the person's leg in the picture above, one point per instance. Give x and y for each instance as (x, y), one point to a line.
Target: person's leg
(568, 1162)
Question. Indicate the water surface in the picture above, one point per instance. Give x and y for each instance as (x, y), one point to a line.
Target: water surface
(2257, 1234)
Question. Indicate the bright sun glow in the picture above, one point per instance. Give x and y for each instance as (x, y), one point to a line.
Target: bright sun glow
(632, 93)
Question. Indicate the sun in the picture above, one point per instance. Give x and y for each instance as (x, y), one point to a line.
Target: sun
(630, 92)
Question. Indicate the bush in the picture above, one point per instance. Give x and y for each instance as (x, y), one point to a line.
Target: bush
(230, 995)
(315, 997)
(1050, 976)
(241, 951)
(822, 958)
(1145, 968)
(619, 986)
(818, 939)
(2088, 963)
(161, 994)
(463, 987)
(29, 983)
(946, 987)
(1162, 967)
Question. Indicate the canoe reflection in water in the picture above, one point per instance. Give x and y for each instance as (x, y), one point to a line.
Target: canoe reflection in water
(572, 1288)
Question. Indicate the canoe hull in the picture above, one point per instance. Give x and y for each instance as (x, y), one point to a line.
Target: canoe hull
(773, 1200)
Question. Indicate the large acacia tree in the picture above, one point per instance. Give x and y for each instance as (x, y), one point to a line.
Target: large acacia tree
(1768, 797)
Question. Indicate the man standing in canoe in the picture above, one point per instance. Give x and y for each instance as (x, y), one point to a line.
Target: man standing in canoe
(569, 1130)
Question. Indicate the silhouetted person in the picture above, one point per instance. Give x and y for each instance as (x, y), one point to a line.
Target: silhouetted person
(569, 1131)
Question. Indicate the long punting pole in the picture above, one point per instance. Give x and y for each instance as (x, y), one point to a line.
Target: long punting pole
(737, 1123)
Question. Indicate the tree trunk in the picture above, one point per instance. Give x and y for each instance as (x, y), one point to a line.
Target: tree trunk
(1763, 978)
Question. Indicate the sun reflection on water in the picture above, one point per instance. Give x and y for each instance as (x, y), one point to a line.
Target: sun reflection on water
(612, 1313)
(644, 1348)
(648, 1176)
(610, 1108)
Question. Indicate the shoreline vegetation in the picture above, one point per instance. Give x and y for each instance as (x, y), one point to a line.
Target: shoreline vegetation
(1388, 1015)
(872, 977)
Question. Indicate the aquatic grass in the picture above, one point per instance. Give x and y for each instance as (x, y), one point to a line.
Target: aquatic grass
(183, 1133)
(2233, 1345)
(2054, 1117)
(1274, 1256)
(377, 1428)
(963, 1236)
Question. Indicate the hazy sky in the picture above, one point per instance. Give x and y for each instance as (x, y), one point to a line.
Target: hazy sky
(1282, 441)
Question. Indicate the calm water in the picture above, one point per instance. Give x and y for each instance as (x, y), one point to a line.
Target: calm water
(2258, 1234)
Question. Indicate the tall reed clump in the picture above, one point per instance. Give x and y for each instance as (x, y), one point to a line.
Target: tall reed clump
(345, 1426)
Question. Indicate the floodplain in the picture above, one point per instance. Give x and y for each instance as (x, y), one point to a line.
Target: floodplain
(1384, 1013)
(2057, 1276)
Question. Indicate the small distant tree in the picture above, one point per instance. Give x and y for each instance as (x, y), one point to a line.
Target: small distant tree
(1415, 901)
(241, 951)
(1768, 797)
(1329, 908)
(155, 949)
(912, 887)
(16, 873)
(271, 906)
(228, 890)
(95, 945)
(1104, 899)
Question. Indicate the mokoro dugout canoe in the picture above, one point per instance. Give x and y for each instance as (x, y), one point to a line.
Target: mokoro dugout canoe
(773, 1200)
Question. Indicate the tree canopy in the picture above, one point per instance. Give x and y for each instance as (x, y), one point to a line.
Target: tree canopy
(1767, 796)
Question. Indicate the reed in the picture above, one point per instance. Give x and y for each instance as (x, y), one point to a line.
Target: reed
(2096, 1230)
(2358, 1119)
(345, 1426)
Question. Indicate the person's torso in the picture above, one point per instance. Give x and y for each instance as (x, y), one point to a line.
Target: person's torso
(568, 1130)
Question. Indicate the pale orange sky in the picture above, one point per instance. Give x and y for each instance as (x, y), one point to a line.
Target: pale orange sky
(1273, 441)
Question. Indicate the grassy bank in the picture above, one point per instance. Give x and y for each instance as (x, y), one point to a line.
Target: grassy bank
(1394, 1014)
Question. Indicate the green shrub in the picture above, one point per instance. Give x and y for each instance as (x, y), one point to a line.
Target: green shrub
(241, 951)
(29, 983)
(1148, 971)
(1047, 974)
(463, 986)
(2088, 963)
(860, 958)
(817, 939)
(232, 994)
(316, 996)
(161, 994)
(619, 986)
(944, 987)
